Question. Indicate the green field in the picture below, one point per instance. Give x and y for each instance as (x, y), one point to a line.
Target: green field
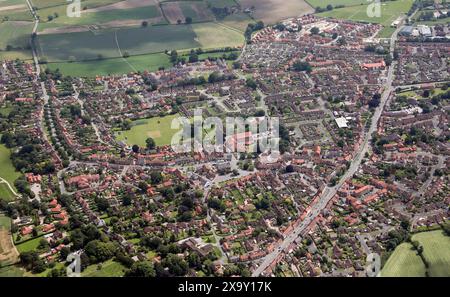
(215, 35)
(17, 11)
(135, 41)
(5, 222)
(99, 17)
(158, 128)
(15, 34)
(436, 246)
(150, 62)
(8, 171)
(390, 11)
(109, 268)
(324, 3)
(405, 261)
(30, 245)
(11, 271)
(5, 193)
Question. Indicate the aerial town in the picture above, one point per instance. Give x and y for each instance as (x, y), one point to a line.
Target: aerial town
(363, 167)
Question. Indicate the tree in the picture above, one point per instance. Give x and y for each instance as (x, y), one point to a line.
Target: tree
(188, 20)
(375, 101)
(250, 82)
(141, 269)
(144, 24)
(315, 30)
(302, 66)
(329, 7)
(98, 251)
(150, 142)
(289, 169)
(126, 54)
(135, 148)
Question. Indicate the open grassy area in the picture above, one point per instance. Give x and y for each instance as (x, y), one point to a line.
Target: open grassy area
(109, 268)
(150, 62)
(8, 171)
(158, 128)
(14, 10)
(30, 245)
(324, 3)
(436, 250)
(5, 193)
(11, 271)
(214, 35)
(15, 34)
(390, 11)
(404, 261)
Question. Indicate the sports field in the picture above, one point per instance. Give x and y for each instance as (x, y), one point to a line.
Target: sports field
(150, 62)
(157, 128)
(8, 171)
(405, 261)
(390, 11)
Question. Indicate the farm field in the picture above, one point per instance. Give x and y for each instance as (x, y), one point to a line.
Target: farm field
(15, 34)
(404, 261)
(150, 62)
(8, 171)
(14, 10)
(158, 128)
(390, 11)
(178, 11)
(79, 46)
(436, 250)
(272, 11)
(150, 13)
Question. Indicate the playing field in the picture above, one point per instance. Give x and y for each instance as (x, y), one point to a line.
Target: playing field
(436, 250)
(157, 128)
(404, 261)
(150, 62)
(8, 172)
(390, 11)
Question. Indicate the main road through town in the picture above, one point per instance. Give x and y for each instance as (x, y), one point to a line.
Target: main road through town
(329, 192)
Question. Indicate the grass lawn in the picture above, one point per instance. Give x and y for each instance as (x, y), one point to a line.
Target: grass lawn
(404, 261)
(109, 268)
(150, 62)
(158, 128)
(436, 250)
(8, 171)
(5, 193)
(390, 11)
(30, 245)
(16, 34)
